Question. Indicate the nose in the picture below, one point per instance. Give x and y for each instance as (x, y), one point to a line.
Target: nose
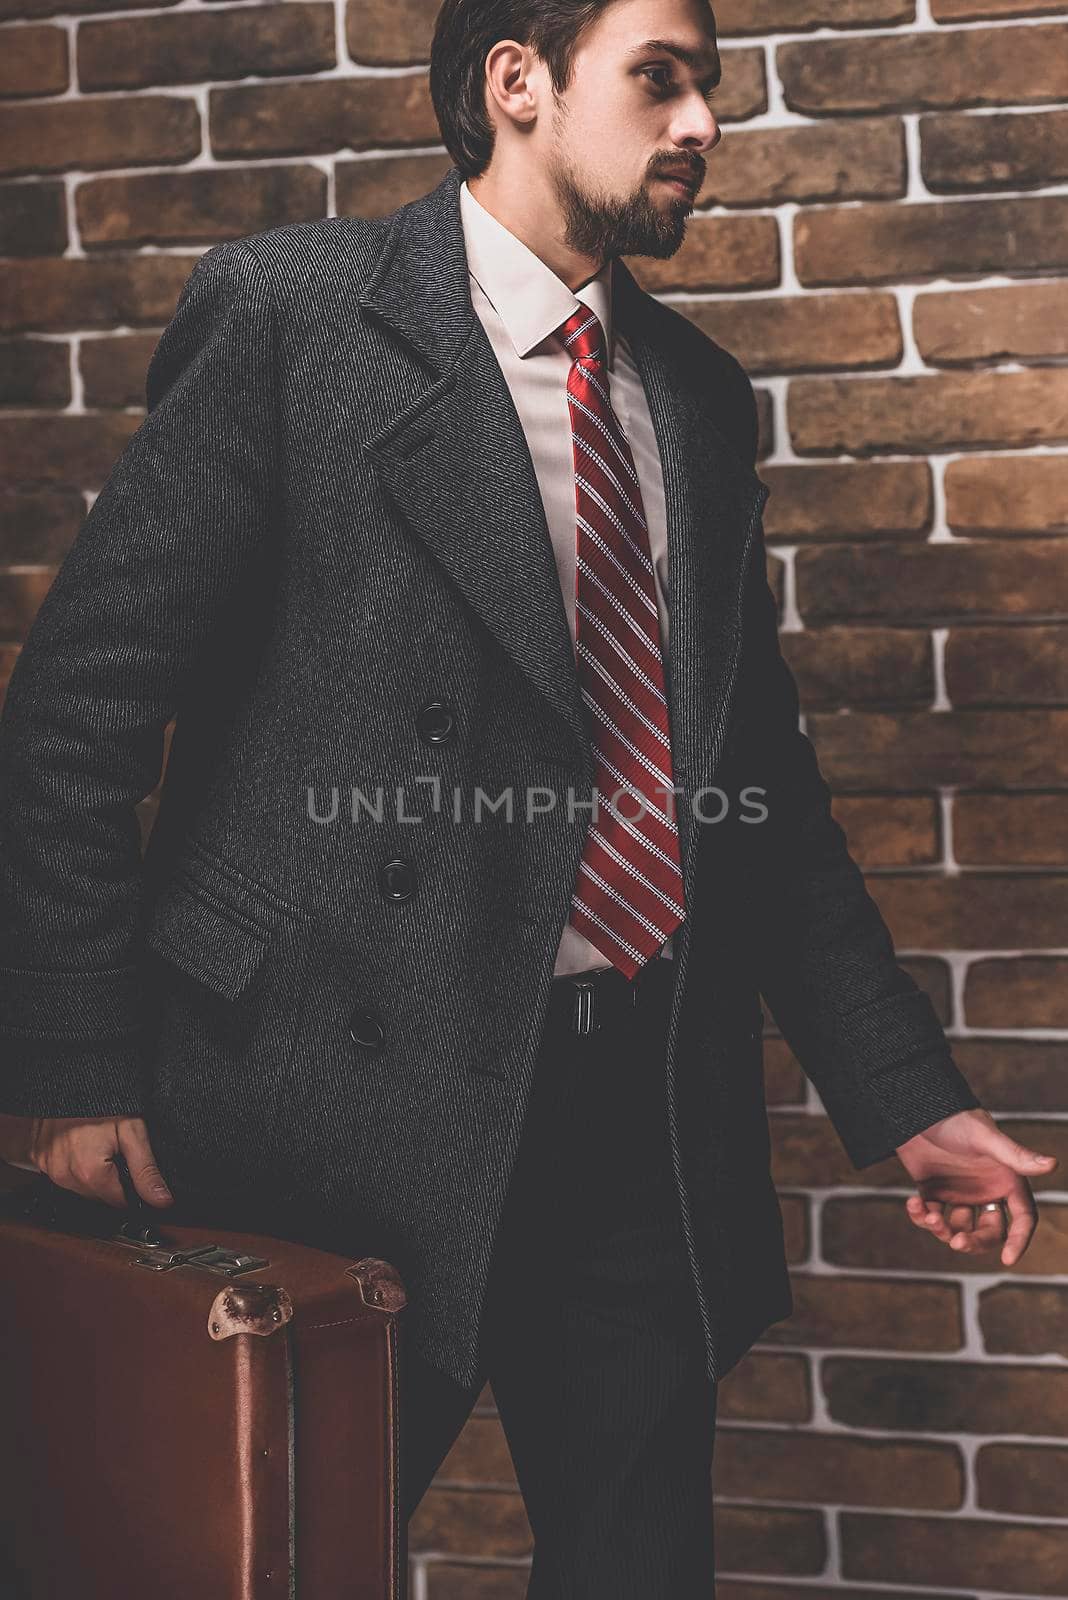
(700, 132)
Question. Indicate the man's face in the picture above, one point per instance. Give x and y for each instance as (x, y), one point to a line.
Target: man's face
(633, 114)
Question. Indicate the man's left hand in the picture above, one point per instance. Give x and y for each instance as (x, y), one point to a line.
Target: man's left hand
(966, 1161)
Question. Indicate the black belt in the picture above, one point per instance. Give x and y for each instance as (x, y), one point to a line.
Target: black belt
(583, 1002)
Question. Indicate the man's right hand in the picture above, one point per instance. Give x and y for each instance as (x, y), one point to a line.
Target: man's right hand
(76, 1152)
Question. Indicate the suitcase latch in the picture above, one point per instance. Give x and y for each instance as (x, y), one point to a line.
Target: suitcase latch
(224, 1263)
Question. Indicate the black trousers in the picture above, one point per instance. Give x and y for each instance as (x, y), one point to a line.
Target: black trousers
(591, 1339)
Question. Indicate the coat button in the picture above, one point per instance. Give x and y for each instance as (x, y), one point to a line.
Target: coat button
(396, 880)
(436, 722)
(365, 1029)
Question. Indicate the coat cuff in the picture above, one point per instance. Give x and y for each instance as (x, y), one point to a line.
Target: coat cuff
(71, 1043)
(83, 1007)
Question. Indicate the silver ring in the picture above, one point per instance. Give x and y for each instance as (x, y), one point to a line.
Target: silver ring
(991, 1205)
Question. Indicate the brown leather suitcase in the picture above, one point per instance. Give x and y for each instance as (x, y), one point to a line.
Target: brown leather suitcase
(214, 1415)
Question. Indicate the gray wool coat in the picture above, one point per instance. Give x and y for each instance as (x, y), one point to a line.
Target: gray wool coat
(324, 554)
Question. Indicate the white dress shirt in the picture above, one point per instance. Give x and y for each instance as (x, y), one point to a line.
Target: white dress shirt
(521, 303)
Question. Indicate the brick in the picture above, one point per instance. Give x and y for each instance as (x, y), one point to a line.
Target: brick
(797, 1229)
(890, 830)
(933, 977)
(1025, 665)
(784, 1081)
(323, 115)
(34, 61)
(842, 666)
(470, 1522)
(68, 451)
(1016, 1074)
(21, 594)
(1004, 324)
(743, 89)
(731, 252)
(830, 1589)
(1019, 151)
(1022, 992)
(1009, 830)
(34, 372)
(769, 166)
(928, 70)
(61, 293)
(766, 1386)
(979, 10)
(948, 1396)
(849, 500)
(770, 1463)
(104, 131)
(770, 1539)
(1007, 495)
(946, 411)
(766, 437)
(201, 206)
(478, 1455)
(931, 239)
(1025, 1319)
(202, 47)
(8, 657)
(452, 1580)
(383, 33)
(114, 368)
(874, 1233)
(869, 1313)
(1000, 495)
(49, 8)
(808, 1154)
(1025, 1479)
(931, 582)
(974, 911)
(33, 219)
(1026, 1558)
(919, 750)
(797, 333)
(791, 16)
(37, 526)
(377, 185)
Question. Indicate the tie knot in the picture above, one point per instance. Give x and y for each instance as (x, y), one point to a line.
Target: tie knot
(583, 335)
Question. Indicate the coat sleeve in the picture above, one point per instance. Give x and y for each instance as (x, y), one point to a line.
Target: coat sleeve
(182, 516)
(864, 1032)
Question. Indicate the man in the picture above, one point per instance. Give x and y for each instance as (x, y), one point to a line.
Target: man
(444, 506)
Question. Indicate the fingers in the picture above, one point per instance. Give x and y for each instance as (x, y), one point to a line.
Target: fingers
(148, 1180)
(967, 1230)
(928, 1215)
(75, 1153)
(1023, 1219)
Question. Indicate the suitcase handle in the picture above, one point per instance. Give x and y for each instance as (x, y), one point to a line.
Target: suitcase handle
(49, 1203)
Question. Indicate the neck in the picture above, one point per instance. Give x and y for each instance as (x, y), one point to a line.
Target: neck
(525, 204)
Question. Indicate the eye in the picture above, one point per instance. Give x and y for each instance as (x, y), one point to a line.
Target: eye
(648, 71)
(710, 94)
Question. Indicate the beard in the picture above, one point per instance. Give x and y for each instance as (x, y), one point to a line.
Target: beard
(603, 225)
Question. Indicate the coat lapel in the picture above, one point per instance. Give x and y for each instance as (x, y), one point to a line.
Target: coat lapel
(456, 463)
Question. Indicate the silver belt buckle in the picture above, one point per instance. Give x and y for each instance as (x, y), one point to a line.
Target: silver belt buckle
(585, 1021)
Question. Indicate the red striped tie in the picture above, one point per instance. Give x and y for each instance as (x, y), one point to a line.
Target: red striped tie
(628, 897)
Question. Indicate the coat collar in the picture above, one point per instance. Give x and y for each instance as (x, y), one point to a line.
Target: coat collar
(456, 463)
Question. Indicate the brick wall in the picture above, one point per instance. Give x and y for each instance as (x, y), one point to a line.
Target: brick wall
(882, 239)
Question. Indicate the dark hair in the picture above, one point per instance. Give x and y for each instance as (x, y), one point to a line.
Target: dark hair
(465, 33)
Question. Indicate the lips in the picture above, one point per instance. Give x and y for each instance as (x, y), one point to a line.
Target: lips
(684, 178)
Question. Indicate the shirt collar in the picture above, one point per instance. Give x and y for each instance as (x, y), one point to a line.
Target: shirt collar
(527, 295)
